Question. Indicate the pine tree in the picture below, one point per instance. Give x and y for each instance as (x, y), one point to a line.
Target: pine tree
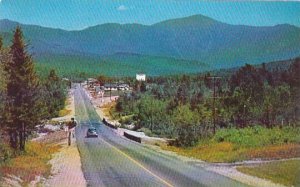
(55, 94)
(3, 81)
(21, 93)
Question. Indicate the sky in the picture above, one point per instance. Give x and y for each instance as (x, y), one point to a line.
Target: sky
(80, 14)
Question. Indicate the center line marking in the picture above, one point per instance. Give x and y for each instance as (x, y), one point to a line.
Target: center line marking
(134, 161)
(137, 163)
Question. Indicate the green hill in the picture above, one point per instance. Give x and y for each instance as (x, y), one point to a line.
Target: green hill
(120, 64)
(185, 45)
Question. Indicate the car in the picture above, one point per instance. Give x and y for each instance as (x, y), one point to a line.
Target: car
(91, 132)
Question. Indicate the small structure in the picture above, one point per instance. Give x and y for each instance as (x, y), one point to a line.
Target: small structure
(123, 87)
(112, 86)
(92, 81)
(98, 89)
(141, 77)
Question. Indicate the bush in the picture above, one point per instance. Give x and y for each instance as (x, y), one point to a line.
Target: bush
(126, 120)
(187, 136)
(6, 153)
(258, 136)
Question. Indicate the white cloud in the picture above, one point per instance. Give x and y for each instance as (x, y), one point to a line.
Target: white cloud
(120, 8)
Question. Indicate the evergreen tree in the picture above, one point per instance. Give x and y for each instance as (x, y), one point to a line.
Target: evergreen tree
(3, 83)
(22, 106)
(55, 94)
(102, 79)
(294, 82)
(207, 80)
(143, 86)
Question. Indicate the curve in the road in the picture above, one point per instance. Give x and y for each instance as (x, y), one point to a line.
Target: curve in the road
(111, 160)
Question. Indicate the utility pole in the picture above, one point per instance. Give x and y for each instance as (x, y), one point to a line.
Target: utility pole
(244, 116)
(214, 78)
(110, 90)
(118, 86)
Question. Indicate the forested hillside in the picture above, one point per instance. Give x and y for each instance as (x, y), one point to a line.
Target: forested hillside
(248, 97)
(196, 39)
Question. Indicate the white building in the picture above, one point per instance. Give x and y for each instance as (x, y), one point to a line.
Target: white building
(141, 77)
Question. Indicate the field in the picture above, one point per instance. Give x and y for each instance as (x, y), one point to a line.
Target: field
(283, 172)
(32, 163)
(233, 145)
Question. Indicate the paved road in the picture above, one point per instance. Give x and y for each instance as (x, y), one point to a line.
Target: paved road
(111, 160)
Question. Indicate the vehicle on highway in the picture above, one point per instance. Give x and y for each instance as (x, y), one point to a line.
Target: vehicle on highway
(91, 132)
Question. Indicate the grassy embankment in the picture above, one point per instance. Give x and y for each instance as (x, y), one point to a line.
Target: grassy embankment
(283, 172)
(32, 163)
(107, 110)
(65, 111)
(231, 145)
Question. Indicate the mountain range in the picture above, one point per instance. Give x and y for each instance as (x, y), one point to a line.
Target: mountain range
(191, 39)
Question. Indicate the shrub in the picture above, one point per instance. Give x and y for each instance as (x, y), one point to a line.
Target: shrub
(187, 136)
(6, 153)
(258, 136)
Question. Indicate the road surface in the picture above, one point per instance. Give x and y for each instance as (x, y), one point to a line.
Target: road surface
(112, 160)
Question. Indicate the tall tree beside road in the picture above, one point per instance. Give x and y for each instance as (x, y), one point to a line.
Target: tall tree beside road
(295, 86)
(4, 56)
(54, 95)
(187, 120)
(102, 79)
(22, 93)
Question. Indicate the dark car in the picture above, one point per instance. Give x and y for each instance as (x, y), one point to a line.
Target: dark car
(91, 133)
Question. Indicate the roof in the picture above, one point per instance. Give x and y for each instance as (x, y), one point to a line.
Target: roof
(92, 80)
(110, 85)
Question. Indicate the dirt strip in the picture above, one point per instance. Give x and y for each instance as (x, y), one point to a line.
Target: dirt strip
(66, 168)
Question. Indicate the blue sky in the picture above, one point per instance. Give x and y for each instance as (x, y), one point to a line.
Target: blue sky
(79, 14)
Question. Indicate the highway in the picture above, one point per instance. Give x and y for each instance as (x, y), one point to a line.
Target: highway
(112, 160)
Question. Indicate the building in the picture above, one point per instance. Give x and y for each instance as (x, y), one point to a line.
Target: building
(114, 86)
(123, 87)
(108, 87)
(141, 77)
(92, 81)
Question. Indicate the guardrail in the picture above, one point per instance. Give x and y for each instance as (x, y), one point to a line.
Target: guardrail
(132, 137)
(108, 124)
(129, 136)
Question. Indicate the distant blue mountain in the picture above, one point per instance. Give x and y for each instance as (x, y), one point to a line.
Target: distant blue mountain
(195, 38)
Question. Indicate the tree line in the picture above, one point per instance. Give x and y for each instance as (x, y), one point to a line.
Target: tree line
(186, 108)
(26, 98)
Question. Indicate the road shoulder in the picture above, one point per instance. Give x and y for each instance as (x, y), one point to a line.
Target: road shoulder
(66, 167)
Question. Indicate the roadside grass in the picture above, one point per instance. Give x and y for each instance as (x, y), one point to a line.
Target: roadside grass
(228, 152)
(64, 112)
(282, 172)
(232, 145)
(107, 110)
(32, 163)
